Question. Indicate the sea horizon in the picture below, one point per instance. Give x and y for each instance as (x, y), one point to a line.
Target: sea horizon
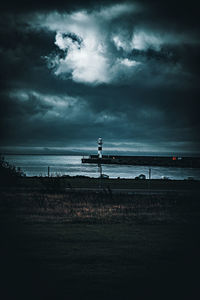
(114, 152)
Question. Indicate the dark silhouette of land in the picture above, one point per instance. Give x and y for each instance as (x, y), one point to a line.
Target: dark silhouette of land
(70, 238)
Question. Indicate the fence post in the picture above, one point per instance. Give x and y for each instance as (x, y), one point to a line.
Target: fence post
(149, 173)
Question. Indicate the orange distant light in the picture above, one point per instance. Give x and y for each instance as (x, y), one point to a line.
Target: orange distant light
(173, 158)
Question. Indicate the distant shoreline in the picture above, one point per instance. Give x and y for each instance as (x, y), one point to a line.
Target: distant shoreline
(46, 154)
(87, 154)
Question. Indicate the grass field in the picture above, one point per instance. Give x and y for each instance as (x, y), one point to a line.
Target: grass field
(68, 245)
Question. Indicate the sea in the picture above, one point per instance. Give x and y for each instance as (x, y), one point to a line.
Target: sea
(59, 165)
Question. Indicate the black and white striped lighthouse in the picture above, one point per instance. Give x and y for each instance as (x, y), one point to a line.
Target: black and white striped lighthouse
(100, 147)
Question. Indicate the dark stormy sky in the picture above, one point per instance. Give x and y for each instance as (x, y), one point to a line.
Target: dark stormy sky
(124, 71)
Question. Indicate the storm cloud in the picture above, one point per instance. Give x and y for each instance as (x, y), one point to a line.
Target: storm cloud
(126, 71)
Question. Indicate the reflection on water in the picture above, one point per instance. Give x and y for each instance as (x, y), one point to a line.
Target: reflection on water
(35, 165)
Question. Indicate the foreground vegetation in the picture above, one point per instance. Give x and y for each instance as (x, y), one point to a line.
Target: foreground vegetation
(92, 207)
(58, 242)
(69, 245)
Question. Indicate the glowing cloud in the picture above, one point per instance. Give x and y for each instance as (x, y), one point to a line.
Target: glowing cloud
(86, 43)
(93, 48)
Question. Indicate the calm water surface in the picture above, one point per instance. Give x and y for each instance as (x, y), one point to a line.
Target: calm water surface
(35, 165)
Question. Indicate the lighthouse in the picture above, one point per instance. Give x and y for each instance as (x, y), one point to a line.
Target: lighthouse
(100, 147)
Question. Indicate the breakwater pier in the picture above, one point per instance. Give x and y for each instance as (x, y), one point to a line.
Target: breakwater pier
(164, 161)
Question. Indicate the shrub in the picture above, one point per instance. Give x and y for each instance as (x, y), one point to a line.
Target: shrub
(9, 173)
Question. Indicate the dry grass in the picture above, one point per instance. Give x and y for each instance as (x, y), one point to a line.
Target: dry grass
(69, 245)
(91, 207)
